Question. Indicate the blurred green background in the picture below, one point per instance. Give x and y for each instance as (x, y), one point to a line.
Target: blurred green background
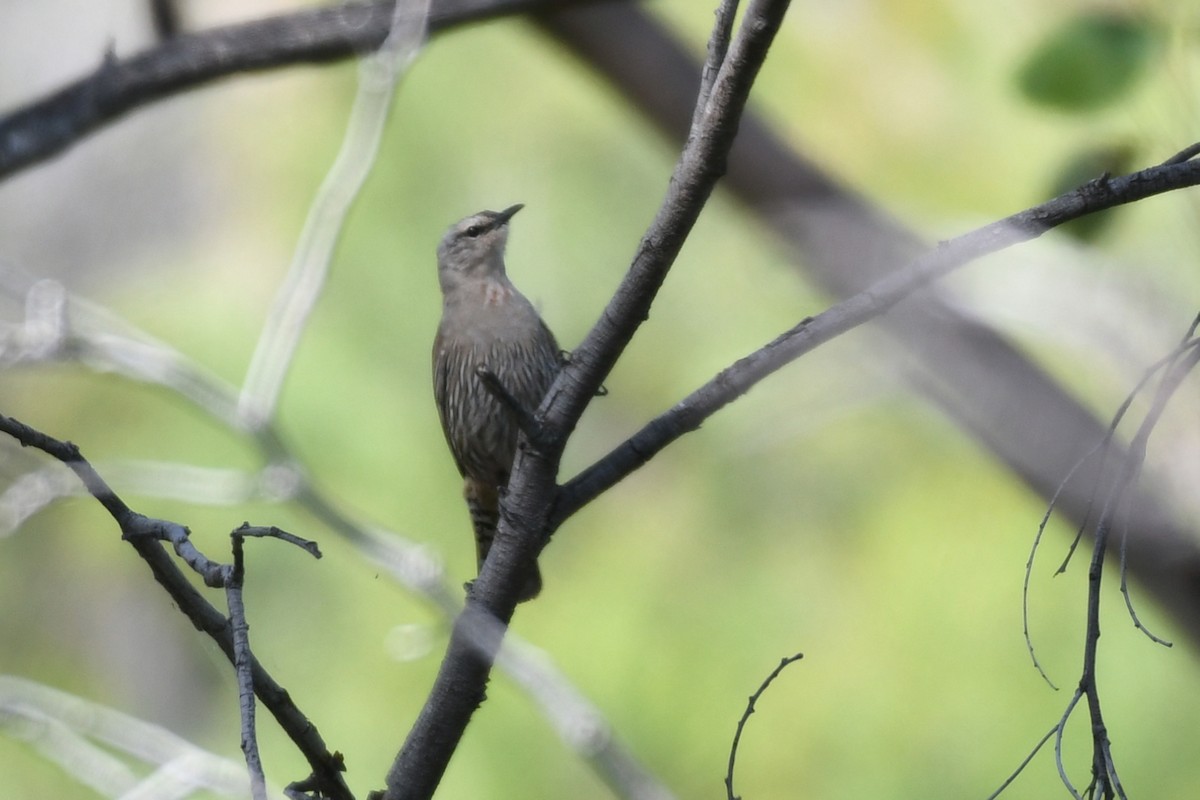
(830, 511)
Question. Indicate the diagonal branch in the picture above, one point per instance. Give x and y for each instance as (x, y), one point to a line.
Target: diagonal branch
(47, 127)
(1010, 406)
(810, 333)
(702, 163)
(327, 767)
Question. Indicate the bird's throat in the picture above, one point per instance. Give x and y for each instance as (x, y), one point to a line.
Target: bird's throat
(496, 293)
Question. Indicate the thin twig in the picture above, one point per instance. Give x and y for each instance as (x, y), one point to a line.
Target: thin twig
(1178, 365)
(240, 631)
(1125, 517)
(1103, 447)
(271, 532)
(1021, 767)
(242, 654)
(1059, 732)
(1105, 779)
(1186, 154)
(737, 734)
(1037, 540)
(1111, 770)
(1182, 359)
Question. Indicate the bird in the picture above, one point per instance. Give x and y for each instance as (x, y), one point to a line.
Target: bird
(487, 325)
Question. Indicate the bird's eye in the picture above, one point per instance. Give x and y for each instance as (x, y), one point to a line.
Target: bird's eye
(474, 231)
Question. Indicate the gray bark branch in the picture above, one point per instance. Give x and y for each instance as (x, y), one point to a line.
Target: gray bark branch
(978, 378)
(523, 531)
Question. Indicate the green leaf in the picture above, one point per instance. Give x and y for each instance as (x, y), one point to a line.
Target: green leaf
(1093, 60)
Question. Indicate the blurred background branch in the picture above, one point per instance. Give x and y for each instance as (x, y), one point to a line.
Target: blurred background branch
(297, 295)
(46, 127)
(86, 739)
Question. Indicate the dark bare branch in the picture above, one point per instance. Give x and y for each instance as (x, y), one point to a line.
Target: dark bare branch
(240, 632)
(1105, 780)
(810, 333)
(741, 725)
(327, 767)
(271, 532)
(47, 127)
(844, 244)
(701, 164)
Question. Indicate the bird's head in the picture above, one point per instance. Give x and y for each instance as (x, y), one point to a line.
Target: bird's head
(474, 247)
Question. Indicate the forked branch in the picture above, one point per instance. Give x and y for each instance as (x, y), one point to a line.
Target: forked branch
(459, 687)
(144, 534)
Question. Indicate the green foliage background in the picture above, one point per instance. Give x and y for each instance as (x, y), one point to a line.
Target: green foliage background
(828, 512)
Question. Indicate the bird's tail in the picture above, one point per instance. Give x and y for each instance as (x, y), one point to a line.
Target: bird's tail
(483, 502)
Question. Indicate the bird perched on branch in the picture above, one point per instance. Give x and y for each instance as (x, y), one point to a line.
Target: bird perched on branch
(493, 361)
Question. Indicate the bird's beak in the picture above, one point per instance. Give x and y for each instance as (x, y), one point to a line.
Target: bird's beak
(506, 214)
